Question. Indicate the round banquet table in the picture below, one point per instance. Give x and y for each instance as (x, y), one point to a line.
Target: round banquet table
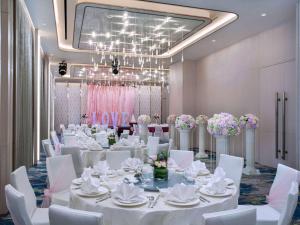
(161, 214)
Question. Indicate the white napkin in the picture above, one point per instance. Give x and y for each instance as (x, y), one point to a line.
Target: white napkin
(87, 173)
(132, 163)
(181, 193)
(101, 167)
(196, 168)
(217, 184)
(127, 193)
(90, 186)
(124, 142)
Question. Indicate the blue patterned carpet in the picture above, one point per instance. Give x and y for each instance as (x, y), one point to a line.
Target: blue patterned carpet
(253, 188)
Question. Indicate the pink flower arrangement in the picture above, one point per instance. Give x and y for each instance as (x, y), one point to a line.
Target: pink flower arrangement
(185, 122)
(249, 121)
(201, 119)
(144, 119)
(223, 124)
(171, 119)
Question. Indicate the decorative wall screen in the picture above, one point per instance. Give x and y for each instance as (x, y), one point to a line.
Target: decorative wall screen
(71, 102)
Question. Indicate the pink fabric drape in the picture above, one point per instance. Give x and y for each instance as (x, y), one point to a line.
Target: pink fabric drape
(110, 99)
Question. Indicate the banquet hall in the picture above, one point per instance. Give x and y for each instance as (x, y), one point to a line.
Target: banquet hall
(150, 112)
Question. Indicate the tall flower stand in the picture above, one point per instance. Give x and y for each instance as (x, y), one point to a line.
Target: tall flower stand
(201, 154)
(143, 132)
(172, 134)
(250, 153)
(184, 139)
(222, 146)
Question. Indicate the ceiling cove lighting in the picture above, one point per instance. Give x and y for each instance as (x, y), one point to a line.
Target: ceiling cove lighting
(180, 26)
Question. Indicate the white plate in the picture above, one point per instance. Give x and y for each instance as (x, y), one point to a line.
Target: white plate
(143, 201)
(184, 204)
(102, 191)
(204, 173)
(77, 181)
(229, 181)
(227, 192)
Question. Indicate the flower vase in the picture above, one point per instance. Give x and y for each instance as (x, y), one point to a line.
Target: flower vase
(160, 173)
(222, 146)
(143, 132)
(250, 152)
(184, 139)
(201, 154)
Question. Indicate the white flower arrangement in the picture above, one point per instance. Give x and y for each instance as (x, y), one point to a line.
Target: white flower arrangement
(171, 119)
(185, 122)
(144, 119)
(249, 121)
(201, 119)
(223, 124)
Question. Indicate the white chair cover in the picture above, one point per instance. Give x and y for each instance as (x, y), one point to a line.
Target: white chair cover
(76, 157)
(246, 216)
(71, 126)
(115, 158)
(133, 138)
(152, 145)
(233, 167)
(20, 182)
(163, 147)
(16, 205)
(281, 186)
(182, 158)
(49, 150)
(61, 172)
(101, 138)
(60, 215)
(70, 139)
(55, 141)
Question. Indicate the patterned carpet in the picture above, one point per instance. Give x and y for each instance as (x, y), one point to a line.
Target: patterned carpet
(253, 188)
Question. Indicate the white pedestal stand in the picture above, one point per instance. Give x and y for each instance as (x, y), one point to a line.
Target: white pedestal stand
(201, 154)
(184, 139)
(222, 146)
(143, 132)
(250, 153)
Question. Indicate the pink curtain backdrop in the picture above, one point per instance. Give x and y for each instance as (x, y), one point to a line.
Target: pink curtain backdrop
(101, 99)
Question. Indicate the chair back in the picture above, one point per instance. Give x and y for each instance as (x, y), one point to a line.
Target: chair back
(245, 216)
(163, 147)
(70, 140)
(233, 167)
(288, 210)
(20, 182)
(280, 188)
(15, 202)
(101, 138)
(60, 215)
(49, 150)
(115, 158)
(61, 172)
(152, 145)
(183, 158)
(76, 157)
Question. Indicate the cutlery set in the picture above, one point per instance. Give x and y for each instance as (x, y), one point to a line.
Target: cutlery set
(152, 201)
(202, 199)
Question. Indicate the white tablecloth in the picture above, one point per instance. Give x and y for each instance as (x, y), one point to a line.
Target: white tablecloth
(161, 214)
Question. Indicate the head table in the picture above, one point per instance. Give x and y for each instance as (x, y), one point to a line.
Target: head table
(160, 214)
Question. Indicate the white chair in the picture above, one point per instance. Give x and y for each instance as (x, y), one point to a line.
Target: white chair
(152, 146)
(115, 158)
(59, 215)
(133, 138)
(20, 182)
(61, 172)
(70, 139)
(246, 216)
(101, 138)
(55, 141)
(233, 167)
(163, 147)
(182, 158)
(76, 157)
(50, 152)
(16, 204)
(282, 199)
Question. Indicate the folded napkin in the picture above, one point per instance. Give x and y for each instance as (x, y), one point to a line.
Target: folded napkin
(101, 167)
(87, 173)
(181, 193)
(125, 142)
(90, 186)
(196, 168)
(217, 184)
(128, 193)
(132, 163)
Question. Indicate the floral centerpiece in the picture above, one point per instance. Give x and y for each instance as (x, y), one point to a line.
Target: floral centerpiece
(156, 117)
(171, 119)
(249, 121)
(223, 124)
(201, 119)
(144, 119)
(160, 166)
(111, 139)
(94, 129)
(185, 122)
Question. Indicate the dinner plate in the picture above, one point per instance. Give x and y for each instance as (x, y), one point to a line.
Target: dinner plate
(101, 191)
(227, 192)
(77, 181)
(194, 202)
(204, 173)
(143, 201)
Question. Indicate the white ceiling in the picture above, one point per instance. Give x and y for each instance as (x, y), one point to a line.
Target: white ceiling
(250, 22)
